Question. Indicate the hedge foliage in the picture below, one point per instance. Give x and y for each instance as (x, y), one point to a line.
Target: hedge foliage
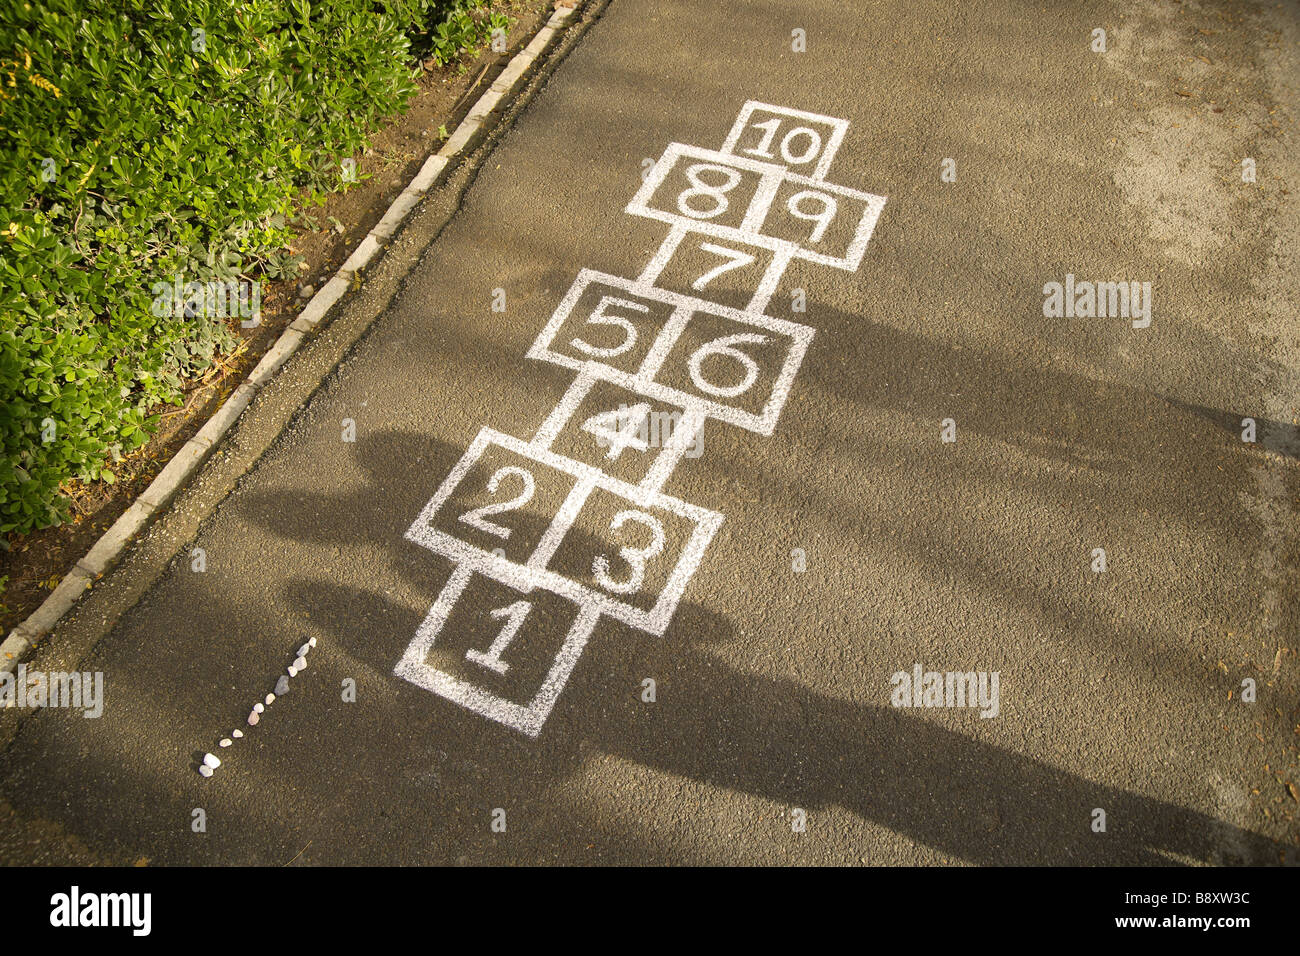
(154, 142)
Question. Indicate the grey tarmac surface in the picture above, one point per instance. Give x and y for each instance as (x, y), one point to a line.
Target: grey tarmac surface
(1119, 691)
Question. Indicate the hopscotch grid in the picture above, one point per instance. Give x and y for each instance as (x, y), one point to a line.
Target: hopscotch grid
(639, 206)
(678, 300)
(762, 423)
(533, 573)
(591, 604)
(683, 305)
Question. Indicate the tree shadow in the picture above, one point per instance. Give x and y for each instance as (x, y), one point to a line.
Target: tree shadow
(1270, 435)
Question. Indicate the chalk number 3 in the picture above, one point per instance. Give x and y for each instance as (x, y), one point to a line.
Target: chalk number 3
(635, 558)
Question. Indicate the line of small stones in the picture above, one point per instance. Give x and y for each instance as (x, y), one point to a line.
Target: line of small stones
(210, 760)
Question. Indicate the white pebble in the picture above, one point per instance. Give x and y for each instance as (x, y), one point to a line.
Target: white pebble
(270, 699)
(253, 718)
(312, 642)
(302, 651)
(301, 663)
(293, 671)
(205, 770)
(225, 742)
(236, 733)
(259, 707)
(212, 761)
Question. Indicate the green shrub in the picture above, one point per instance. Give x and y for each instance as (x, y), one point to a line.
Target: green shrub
(146, 140)
(448, 30)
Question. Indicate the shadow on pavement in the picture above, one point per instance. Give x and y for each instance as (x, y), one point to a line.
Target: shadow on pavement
(773, 738)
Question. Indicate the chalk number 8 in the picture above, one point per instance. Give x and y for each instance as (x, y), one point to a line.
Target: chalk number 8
(717, 194)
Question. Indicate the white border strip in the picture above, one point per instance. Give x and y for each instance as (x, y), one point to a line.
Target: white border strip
(182, 467)
(525, 718)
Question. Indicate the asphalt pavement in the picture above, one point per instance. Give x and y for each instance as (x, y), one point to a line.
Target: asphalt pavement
(887, 458)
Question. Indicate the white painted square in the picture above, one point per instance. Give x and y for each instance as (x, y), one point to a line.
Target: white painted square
(659, 435)
(741, 275)
(763, 420)
(534, 572)
(855, 214)
(790, 140)
(738, 194)
(607, 321)
(527, 718)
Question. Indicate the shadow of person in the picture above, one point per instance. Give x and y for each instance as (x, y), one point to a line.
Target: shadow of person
(778, 739)
(755, 733)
